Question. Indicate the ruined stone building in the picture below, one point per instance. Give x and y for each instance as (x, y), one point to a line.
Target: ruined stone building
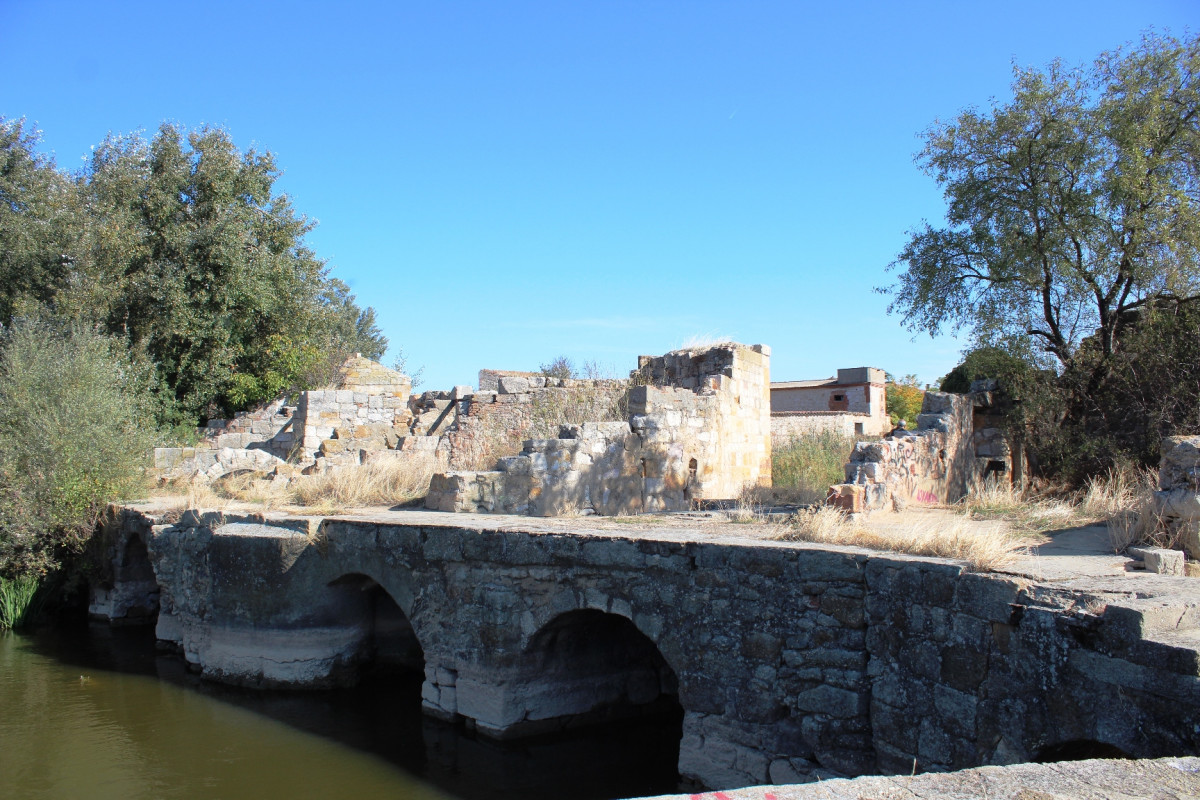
(697, 427)
(367, 399)
(852, 404)
(689, 425)
(960, 439)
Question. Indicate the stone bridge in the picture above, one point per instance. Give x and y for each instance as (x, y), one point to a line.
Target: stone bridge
(786, 660)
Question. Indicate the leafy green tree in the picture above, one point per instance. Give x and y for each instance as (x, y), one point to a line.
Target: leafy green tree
(983, 363)
(37, 222)
(208, 271)
(904, 398)
(1071, 208)
(181, 247)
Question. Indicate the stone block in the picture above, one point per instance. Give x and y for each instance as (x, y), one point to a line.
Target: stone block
(848, 497)
(513, 385)
(1158, 559)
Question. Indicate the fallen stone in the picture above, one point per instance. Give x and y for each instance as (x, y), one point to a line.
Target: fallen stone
(1158, 559)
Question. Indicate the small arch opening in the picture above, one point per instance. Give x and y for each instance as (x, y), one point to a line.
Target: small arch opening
(1078, 750)
(597, 691)
(588, 667)
(135, 561)
(387, 643)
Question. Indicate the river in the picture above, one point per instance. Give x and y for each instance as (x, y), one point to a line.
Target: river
(97, 712)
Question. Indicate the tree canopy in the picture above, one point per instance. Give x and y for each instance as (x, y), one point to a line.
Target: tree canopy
(1073, 208)
(181, 247)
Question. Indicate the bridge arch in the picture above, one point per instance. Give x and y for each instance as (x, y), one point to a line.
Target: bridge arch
(587, 667)
(1078, 750)
(386, 642)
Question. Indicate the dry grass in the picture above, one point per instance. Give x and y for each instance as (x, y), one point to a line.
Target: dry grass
(384, 482)
(806, 465)
(1023, 510)
(982, 545)
(1122, 499)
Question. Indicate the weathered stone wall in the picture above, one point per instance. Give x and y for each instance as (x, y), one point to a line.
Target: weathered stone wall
(489, 425)
(787, 425)
(1178, 496)
(714, 406)
(489, 379)
(208, 463)
(933, 464)
(594, 468)
(268, 427)
(790, 660)
(367, 394)
(699, 427)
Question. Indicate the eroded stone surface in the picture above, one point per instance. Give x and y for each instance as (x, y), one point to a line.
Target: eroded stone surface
(1167, 778)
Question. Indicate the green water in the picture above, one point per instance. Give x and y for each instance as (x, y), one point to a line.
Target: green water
(78, 731)
(99, 713)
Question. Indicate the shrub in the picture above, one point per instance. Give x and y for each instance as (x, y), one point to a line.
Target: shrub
(75, 434)
(804, 467)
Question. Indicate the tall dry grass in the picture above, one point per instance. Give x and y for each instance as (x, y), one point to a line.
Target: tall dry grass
(1121, 498)
(804, 466)
(393, 481)
(383, 482)
(983, 546)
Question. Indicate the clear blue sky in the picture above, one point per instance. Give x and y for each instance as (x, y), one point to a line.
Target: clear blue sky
(506, 182)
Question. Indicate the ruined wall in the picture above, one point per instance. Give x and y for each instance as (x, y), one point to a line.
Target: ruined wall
(786, 425)
(268, 427)
(1177, 500)
(793, 661)
(725, 423)
(490, 425)
(699, 427)
(931, 465)
(368, 393)
(489, 379)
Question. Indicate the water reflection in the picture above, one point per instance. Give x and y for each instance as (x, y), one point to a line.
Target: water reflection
(98, 712)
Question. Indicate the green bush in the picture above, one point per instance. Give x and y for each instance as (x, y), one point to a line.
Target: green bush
(75, 432)
(805, 466)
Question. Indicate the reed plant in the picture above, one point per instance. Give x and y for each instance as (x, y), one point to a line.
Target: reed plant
(18, 601)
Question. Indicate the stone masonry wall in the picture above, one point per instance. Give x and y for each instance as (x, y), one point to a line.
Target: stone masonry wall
(729, 425)
(368, 394)
(699, 427)
(933, 464)
(1178, 498)
(489, 425)
(792, 661)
